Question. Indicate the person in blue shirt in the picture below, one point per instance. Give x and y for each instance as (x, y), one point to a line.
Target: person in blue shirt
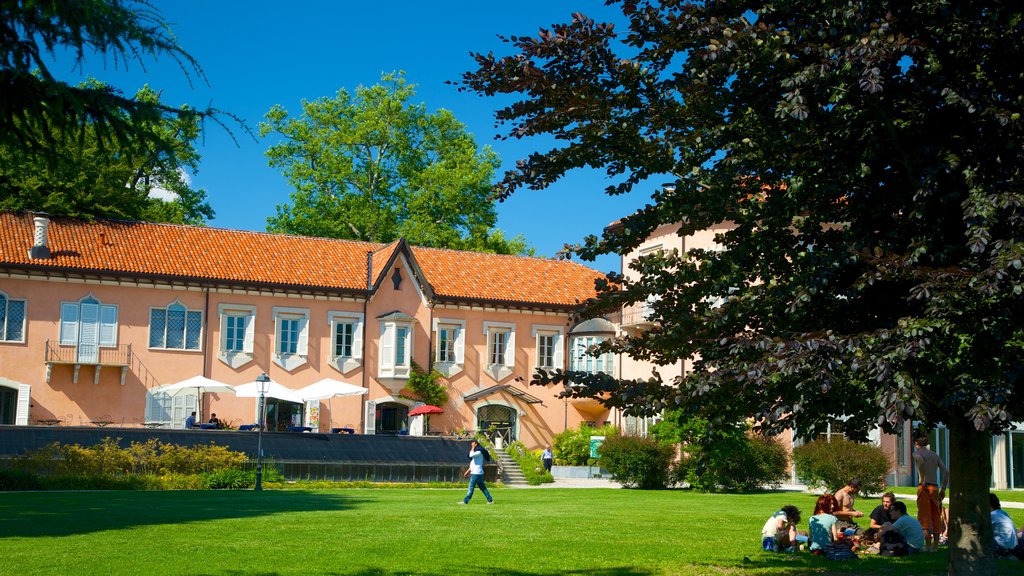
(907, 528)
(547, 457)
(1008, 543)
(190, 422)
(476, 473)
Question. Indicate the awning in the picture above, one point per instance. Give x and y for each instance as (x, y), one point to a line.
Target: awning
(512, 390)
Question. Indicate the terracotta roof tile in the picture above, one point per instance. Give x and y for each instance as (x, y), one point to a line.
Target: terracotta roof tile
(473, 275)
(193, 252)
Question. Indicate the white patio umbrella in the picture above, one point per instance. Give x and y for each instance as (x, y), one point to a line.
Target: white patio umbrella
(329, 388)
(274, 390)
(200, 383)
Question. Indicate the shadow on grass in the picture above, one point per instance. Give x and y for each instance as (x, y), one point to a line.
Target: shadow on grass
(462, 571)
(30, 514)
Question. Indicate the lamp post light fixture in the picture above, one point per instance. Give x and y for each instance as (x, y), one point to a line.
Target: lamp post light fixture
(262, 386)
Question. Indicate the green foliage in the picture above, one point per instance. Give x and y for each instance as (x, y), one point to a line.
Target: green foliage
(43, 116)
(150, 465)
(572, 446)
(427, 386)
(530, 463)
(12, 479)
(726, 457)
(94, 181)
(637, 462)
(831, 464)
(375, 166)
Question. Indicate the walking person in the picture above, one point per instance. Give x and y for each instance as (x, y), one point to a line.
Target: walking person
(476, 473)
(547, 457)
(929, 494)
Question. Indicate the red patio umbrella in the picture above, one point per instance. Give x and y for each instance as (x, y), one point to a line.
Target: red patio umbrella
(425, 409)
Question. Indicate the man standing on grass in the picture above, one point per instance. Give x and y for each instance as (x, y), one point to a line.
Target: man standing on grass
(929, 495)
(476, 473)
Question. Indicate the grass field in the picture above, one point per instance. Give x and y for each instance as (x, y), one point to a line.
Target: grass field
(537, 532)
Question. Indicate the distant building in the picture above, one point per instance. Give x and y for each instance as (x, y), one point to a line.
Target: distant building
(96, 318)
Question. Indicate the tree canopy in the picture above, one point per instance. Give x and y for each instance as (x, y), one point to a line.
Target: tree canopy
(865, 157)
(39, 110)
(375, 166)
(129, 182)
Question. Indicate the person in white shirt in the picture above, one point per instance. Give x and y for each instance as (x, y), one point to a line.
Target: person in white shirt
(476, 473)
(1005, 533)
(547, 457)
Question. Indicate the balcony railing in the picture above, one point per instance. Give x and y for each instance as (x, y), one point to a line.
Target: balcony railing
(638, 315)
(119, 356)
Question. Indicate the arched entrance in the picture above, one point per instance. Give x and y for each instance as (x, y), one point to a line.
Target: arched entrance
(497, 421)
(391, 418)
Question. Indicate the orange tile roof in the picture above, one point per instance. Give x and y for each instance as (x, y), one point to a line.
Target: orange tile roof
(473, 275)
(242, 257)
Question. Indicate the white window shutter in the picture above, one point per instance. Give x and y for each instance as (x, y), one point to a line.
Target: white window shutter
(357, 340)
(223, 332)
(21, 411)
(370, 425)
(68, 323)
(558, 357)
(303, 347)
(387, 349)
(460, 345)
(108, 325)
(250, 333)
(510, 349)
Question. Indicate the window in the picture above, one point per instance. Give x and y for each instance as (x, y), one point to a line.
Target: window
(88, 325)
(501, 346)
(237, 332)
(450, 350)
(291, 337)
(549, 347)
(12, 319)
(396, 345)
(346, 340)
(175, 327)
(583, 361)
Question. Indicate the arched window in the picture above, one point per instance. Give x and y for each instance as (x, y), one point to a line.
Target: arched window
(175, 327)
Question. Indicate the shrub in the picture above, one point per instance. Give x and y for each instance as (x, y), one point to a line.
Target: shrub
(530, 463)
(730, 457)
(831, 465)
(231, 479)
(572, 447)
(636, 462)
(428, 386)
(12, 479)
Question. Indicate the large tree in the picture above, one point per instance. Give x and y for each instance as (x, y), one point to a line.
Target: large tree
(868, 155)
(130, 182)
(38, 111)
(375, 166)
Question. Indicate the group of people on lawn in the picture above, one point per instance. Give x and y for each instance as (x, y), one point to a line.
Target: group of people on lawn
(833, 532)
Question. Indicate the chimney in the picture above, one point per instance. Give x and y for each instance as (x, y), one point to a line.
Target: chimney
(39, 248)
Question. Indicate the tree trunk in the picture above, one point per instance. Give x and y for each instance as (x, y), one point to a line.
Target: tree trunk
(970, 476)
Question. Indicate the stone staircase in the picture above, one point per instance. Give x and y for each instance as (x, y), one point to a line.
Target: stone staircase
(508, 469)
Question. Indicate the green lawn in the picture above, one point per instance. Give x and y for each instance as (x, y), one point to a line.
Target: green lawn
(536, 532)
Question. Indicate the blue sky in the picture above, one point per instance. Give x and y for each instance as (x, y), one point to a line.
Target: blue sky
(259, 53)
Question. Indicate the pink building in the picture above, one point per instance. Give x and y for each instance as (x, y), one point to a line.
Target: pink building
(96, 319)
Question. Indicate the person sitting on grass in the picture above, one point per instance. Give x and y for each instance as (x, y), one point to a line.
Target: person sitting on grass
(822, 526)
(1008, 544)
(879, 516)
(779, 532)
(904, 535)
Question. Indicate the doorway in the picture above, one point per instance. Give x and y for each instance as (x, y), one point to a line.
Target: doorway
(392, 418)
(9, 403)
(497, 421)
(281, 414)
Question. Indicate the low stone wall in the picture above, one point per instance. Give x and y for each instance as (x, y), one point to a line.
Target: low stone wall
(579, 472)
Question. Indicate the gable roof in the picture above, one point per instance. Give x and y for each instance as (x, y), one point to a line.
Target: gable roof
(217, 255)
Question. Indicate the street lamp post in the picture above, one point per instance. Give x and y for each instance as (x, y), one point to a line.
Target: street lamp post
(262, 385)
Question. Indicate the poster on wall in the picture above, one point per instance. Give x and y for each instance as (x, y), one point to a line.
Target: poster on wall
(313, 414)
(595, 444)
